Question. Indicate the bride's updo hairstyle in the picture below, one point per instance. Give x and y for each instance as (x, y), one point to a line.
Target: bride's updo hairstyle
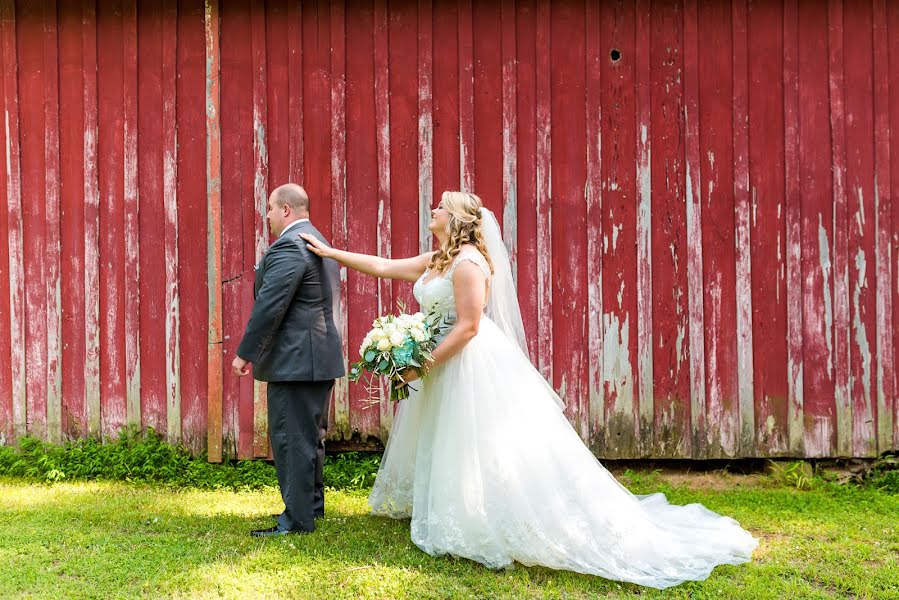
(464, 228)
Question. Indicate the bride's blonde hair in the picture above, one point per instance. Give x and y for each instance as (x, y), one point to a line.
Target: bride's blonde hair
(464, 228)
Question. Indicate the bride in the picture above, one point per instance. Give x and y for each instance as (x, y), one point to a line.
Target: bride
(482, 457)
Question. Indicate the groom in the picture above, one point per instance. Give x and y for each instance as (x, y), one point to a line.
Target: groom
(293, 344)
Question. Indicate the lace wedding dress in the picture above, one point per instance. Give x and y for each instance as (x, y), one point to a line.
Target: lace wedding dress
(488, 468)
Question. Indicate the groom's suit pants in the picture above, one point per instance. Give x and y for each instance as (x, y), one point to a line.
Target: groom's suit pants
(297, 422)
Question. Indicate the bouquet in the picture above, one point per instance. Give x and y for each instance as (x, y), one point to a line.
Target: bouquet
(396, 343)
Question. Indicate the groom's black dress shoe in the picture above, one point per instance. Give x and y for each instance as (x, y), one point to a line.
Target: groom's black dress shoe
(273, 531)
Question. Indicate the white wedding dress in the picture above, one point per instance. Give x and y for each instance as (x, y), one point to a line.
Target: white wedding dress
(488, 468)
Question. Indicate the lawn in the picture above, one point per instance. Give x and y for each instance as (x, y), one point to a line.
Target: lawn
(111, 539)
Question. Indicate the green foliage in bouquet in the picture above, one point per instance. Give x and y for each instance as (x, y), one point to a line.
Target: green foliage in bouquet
(396, 344)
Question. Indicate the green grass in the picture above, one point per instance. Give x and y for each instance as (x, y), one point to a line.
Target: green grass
(115, 539)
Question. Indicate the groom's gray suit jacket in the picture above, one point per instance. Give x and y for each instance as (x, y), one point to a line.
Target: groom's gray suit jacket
(291, 334)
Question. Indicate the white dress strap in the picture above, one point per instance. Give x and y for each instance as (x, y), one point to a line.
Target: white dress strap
(470, 255)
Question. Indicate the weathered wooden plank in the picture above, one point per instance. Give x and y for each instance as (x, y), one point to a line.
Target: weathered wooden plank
(91, 223)
(53, 245)
(402, 75)
(6, 398)
(745, 357)
(642, 79)
(593, 393)
(526, 167)
(32, 96)
(543, 203)
(215, 357)
(363, 194)
(509, 132)
(381, 89)
(466, 98)
(568, 178)
(260, 193)
(885, 376)
(192, 272)
(170, 208)
(716, 152)
(767, 228)
(132, 212)
(892, 20)
(339, 193)
(151, 219)
(793, 201)
(693, 180)
(425, 123)
(277, 92)
(861, 226)
(841, 317)
(71, 155)
(671, 342)
(487, 150)
(14, 222)
(817, 231)
(616, 216)
(446, 97)
(295, 90)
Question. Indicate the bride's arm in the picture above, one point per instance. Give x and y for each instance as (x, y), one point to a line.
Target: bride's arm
(469, 287)
(409, 269)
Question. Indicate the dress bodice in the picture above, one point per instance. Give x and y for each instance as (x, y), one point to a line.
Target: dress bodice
(434, 292)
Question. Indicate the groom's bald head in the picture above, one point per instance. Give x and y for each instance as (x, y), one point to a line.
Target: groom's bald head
(294, 196)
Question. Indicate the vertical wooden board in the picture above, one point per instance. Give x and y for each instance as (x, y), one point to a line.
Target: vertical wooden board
(543, 204)
(52, 247)
(92, 321)
(862, 221)
(10, 229)
(71, 160)
(465, 33)
(338, 65)
(487, 147)
(151, 218)
(841, 342)
(793, 201)
(692, 190)
(260, 193)
(671, 353)
(526, 163)
(767, 228)
(642, 94)
(277, 64)
(131, 217)
(885, 374)
(509, 132)
(362, 193)
(295, 91)
(446, 166)
(716, 152)
(569, 233)
(617, 236)
(191, 121)
(237, 244)
(893, 77)
(403, 134)
(31, 103)
(817, 231)
(110, 85)
(425, 78)
(215, 339)
(381, 93)
(742, 205)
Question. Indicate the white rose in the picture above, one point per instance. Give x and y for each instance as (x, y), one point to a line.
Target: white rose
(377, 335)
(384, 345)
(419, 316)
(390, 329)
(397, 339)
(418, 335)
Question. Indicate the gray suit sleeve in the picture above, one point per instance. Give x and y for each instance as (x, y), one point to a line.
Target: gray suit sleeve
(284, 268)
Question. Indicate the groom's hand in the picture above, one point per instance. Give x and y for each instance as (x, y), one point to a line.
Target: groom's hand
(240, 366)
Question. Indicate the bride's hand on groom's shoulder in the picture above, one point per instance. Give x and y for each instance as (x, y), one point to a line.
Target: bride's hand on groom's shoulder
(316, 245)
